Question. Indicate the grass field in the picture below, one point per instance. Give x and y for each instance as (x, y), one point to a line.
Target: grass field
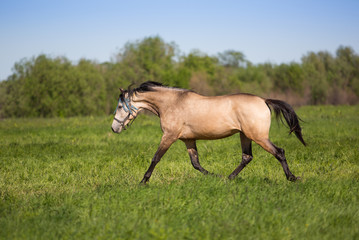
(75, 179)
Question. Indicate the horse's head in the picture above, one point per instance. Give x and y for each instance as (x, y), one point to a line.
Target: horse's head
(124, 113)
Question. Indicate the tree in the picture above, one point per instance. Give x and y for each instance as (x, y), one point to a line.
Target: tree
(347, 68)
(288, 77)
(148, 59)
(200, 71)
(316, 77)
(46, 87)
(231, 58)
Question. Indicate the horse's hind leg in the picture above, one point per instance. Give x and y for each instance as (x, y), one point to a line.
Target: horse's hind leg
(247, 156)
(193, 154)
(278, 153)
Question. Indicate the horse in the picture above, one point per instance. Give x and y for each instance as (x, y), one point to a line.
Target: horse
(188, 116)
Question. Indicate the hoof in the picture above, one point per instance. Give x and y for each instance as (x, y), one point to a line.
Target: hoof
(144, 181)
(293, 178)
(231, 177)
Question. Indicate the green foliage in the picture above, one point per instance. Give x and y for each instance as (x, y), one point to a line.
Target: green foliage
(288, 77)
(74, 179)
(231, 58)
(150, 59)
(347, 63)
(315, 74)
(46, 87)
(331, 79)
(254, 79)
(201, 70)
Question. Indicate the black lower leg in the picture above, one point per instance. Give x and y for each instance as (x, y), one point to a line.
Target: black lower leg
(199, 168)
(245, 160)
(164, 145)
(247, 155)
(281, 158)
(193, 154)
(148, 173)
(196, 164)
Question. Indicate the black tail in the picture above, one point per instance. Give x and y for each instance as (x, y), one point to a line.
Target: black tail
(289, 115)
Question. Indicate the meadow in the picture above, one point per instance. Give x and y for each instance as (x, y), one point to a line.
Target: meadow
(72, 178)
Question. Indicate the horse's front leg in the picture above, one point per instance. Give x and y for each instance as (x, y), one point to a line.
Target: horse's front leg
(166, 142)
(193, 154)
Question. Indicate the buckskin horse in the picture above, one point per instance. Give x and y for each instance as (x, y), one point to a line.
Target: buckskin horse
(189, 116)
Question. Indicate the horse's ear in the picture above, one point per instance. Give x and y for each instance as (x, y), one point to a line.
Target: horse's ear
(122, 91)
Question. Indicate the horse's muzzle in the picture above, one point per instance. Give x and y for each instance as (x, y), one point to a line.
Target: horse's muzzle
(117, 130)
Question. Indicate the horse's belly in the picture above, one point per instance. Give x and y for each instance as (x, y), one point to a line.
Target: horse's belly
(207, 132)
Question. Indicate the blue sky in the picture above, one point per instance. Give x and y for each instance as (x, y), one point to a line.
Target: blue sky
(278, 31)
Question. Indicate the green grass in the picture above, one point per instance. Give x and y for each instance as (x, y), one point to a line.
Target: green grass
(75, 179)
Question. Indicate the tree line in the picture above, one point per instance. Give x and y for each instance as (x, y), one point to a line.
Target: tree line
(45, 86)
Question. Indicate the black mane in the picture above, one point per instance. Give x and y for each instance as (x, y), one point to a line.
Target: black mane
(144, 87)
(148, 86)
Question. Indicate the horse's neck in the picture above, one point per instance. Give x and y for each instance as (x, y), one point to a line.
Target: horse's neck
(157, 101)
